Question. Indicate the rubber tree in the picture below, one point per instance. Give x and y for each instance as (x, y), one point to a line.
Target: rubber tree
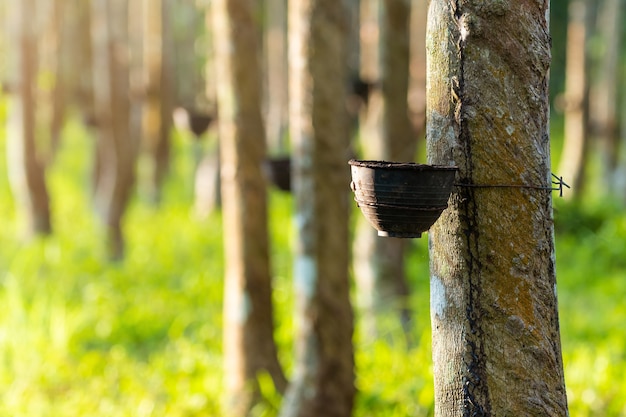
(116, 148)
(386, 134)
(276, 73)
(495, 326)
(323, 376)
(158, 106)
(249, 346)
(605, 91)
(575, 145)
(25, 159)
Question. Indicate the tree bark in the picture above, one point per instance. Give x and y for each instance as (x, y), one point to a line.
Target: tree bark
(188, 21)
(323, 378)
(572, 165)
(60, 32)
(387, 134)
(82, 72)
(157, 109)
(276, 74)
(496, 343)
(116, 148)
(620, 174)
(249, 346)
(26, 167)
(417, 67)
(604, 100)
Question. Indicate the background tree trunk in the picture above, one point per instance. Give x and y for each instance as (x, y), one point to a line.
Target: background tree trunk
(620, 174)
(82, 72)
(496, 343)
(604, 100)
(323, 378)
(26, 166)
(60, 31)
(157, 109)
(207, 155)
(116, 149)
(249, 346)
(574, 155)
(417, 67)
(379, 263)
(276, 74)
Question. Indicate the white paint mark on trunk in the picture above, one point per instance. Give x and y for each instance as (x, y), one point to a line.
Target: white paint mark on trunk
(438, 302)
(306, 276)
(240, 311)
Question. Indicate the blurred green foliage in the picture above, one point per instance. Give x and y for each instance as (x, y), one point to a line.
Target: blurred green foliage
(80, 336)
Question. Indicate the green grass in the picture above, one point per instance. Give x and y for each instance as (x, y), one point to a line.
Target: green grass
(591, 270)
(80, 336)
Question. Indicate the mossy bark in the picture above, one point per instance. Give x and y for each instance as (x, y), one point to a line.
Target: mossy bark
(323, 378)
(249, 346)
(496, 343)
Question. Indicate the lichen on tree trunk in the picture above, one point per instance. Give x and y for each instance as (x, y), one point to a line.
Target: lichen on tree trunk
(496, 343)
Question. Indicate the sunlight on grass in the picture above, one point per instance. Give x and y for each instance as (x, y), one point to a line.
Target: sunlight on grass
(79, 336)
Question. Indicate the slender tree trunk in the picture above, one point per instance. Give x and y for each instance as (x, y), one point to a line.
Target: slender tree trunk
(575, 146)
(83, 72)
(157, 109)
(276, 70)
(379, 263)
(604, 104)
(207, 176)
(249, 346)
(354, 37)
(496, 343)
(116, 148)
(26, 167)
(620, 174)
(188, 21)
(53, 28)
(417, 67)
(323, 378)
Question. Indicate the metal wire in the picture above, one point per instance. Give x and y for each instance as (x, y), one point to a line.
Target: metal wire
(558, 182)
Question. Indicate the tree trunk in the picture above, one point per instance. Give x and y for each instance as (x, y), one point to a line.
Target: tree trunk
(26, 167)
(116, 148)
(417, 67)
(249, 346)
(379, 263)
(60, 31)
(604, 104)
(188, 21)
(323, 378)
(276, 74)
(620, 174)
(496, 343)
(157, 109)
(574, 155)
(83, 72)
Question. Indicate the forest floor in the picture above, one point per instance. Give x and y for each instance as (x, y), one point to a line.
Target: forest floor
(142, 337)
